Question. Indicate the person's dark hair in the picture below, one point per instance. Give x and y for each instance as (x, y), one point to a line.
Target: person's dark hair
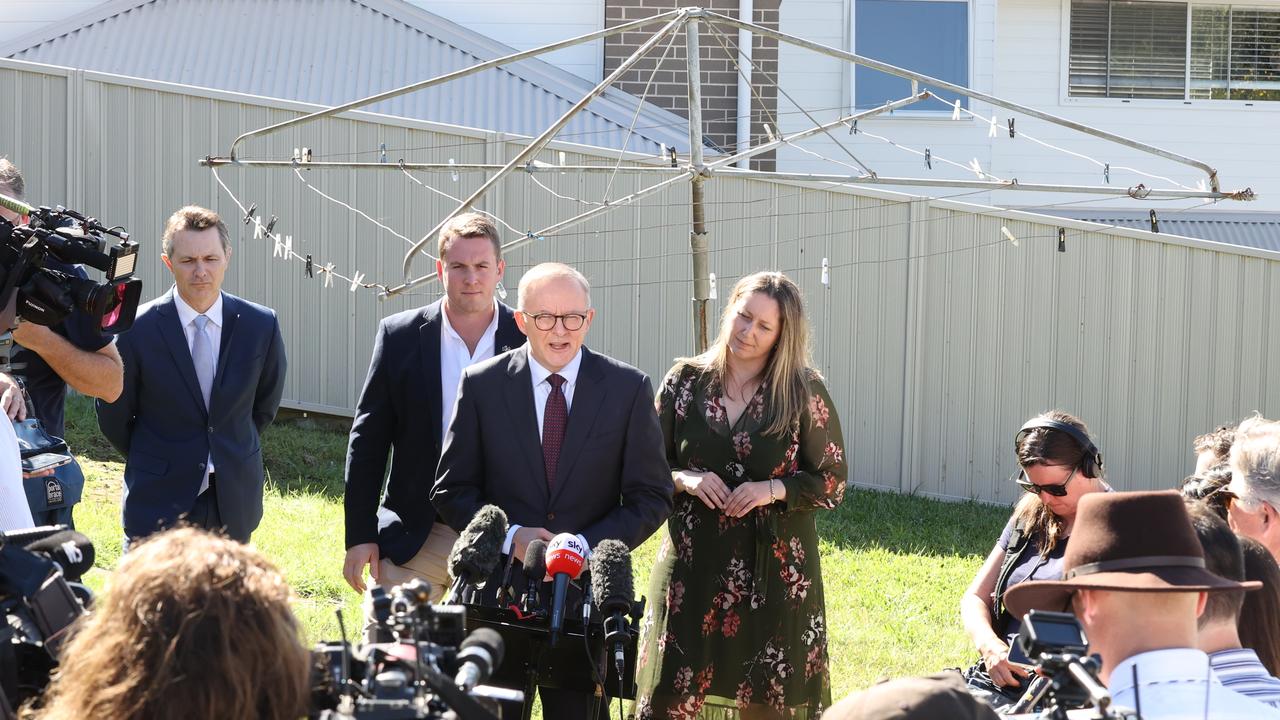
(192, 626)
(1209, 487)
(1259, 624)
(1219, 441)
(1046, 446)
(1222, 557)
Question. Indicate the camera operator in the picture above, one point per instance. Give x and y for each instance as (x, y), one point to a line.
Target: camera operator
(1135, 576)
(1234, 665)
(73, 352)
(191, 626)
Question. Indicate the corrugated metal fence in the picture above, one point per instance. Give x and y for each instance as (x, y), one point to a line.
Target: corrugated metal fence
(937, 335)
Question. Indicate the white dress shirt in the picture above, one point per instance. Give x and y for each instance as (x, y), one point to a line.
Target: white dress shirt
(15, 514)
(455, 357)
(187, 318)
(1180, 684)
(541, 391)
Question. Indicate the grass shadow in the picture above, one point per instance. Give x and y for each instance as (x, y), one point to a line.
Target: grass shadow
(912, 525)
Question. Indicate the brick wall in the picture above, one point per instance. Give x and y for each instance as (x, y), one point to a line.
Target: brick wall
(668, 88)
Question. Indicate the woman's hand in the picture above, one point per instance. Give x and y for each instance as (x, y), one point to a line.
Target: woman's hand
(995, 658)
(750, 495)
(706, 486)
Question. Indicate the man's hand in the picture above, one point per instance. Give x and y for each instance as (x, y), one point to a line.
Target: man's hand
(11, 399)
(37, 473)
(524, 536)
(358, 556)
(32, 336)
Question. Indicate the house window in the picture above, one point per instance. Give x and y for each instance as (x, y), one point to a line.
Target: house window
(930, 37)
(1177, 51)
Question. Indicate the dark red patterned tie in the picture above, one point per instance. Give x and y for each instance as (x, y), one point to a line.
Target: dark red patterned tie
(555, 418)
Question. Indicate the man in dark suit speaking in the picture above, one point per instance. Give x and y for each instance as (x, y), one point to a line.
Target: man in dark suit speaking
(203, 376)
(560, 438)
(418, 358)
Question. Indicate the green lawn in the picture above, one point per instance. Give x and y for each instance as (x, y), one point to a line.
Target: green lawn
(894, 566)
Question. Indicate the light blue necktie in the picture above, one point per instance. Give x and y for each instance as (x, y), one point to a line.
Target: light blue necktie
(202, 356)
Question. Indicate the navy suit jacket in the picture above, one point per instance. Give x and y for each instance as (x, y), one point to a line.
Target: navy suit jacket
(166, 434)
(399, 413)
(612, 480)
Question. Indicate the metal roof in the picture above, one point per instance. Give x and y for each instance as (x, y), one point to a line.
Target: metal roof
(1246, 229)
(330, 52)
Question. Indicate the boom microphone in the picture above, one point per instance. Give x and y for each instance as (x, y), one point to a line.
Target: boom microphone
(611, 583)
(535, 568)
(565, 557)
(479, 654)
(477, 550)
(72, 551)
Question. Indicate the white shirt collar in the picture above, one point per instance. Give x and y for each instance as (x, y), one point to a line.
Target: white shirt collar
(568, 372)
(1161, 666)
(186, 313)
(448, 326)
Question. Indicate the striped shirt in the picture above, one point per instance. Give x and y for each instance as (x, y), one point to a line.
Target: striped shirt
(1241, 671)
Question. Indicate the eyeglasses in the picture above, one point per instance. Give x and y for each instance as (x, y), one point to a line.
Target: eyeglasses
(1058, 490)
(547, 321)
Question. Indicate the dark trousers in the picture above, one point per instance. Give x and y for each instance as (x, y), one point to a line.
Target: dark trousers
(570, 704)
(205, 512)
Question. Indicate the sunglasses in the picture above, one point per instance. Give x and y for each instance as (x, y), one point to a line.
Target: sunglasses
(1058, 490)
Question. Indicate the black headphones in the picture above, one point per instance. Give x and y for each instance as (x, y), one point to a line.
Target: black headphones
(1091, 465)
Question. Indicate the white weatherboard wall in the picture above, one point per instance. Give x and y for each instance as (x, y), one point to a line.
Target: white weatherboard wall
(527, 24)
(1017, 54)
(936, 340)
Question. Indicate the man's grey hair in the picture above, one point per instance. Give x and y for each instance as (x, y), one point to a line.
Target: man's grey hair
(11, 182)
(1255, 459)
(548, 271)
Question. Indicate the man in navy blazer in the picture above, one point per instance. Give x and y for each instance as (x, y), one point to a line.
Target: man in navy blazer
(406, 403)
(203, 376)
(561, 438)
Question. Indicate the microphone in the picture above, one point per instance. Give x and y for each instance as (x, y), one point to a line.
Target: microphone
(72, 551)
(611, 583)
(477, 550)
(535, 568)
(565, 557)
(505, 594)
(479, 655)
(29, 535)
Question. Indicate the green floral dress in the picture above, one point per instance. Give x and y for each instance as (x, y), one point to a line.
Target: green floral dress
(736, 617)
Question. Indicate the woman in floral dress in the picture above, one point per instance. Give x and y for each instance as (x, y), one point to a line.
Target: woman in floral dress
(736, 626)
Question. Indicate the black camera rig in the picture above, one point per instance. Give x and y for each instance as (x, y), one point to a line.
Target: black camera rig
(421, 664)
(46, 295)
(1066, 684)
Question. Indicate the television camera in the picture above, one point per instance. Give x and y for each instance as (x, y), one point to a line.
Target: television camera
(1066, 685)
(40, 597)
(421, 664)
(46, 295)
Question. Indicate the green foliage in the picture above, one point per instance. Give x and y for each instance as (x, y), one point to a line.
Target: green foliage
(894, 566)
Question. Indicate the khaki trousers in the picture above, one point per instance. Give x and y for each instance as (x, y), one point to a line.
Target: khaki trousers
(430, 564)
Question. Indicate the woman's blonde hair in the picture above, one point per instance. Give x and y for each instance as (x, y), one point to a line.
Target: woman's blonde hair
(1045, 446)
(192, 626)
(788, 369)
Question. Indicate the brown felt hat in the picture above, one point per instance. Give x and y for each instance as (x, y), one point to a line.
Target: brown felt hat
(1126, 541)
(915, 698)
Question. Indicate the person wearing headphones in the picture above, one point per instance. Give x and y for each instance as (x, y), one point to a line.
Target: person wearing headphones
(1059, 465)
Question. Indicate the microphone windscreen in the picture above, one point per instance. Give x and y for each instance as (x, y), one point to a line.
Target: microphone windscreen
(566, 554)
(611, 580)
(535, 560)
(479, 547)
(70, 549)
(489, 640)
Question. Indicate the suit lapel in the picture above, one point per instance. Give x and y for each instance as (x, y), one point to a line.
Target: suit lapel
(231, 308)
(508, 335)
(429, 342)
(175, 340)
(519, 395)
(588, 394)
